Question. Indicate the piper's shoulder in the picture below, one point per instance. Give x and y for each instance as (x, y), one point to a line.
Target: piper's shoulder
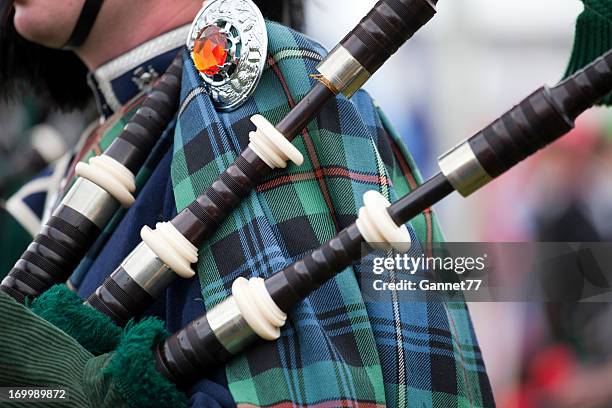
(283, 37)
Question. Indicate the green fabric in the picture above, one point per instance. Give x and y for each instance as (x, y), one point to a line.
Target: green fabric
(90, 328)
(593, 36)
(51, 359)
(36, 353)
(131, 371)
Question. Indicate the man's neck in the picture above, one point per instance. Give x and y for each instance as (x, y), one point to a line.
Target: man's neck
(128, 31)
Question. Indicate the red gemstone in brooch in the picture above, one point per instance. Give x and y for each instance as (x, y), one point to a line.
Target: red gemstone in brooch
(210, 50)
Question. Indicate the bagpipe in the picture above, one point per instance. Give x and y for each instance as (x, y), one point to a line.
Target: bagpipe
(257, 308)
(107, 181)
(103, 184)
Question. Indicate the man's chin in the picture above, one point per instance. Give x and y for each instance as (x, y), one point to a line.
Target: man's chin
(35, 29)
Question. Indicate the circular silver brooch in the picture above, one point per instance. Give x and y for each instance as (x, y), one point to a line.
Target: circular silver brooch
(229, 43)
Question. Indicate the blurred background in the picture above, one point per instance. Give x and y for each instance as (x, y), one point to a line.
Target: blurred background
(469, 65)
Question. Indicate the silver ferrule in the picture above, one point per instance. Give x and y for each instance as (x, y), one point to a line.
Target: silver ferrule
(342, 72)
(230, 328)
(463, 170)
(91, 201)
(147, 270)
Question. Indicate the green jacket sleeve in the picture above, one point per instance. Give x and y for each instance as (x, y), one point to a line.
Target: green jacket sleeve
(35, 353)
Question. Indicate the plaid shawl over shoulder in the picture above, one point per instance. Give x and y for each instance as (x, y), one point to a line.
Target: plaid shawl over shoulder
(336, 350)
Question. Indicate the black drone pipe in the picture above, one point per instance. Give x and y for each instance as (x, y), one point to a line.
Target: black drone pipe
(171, 248)
(102, 186)
(257, 308)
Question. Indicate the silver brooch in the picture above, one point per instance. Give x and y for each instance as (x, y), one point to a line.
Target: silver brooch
(229, 43)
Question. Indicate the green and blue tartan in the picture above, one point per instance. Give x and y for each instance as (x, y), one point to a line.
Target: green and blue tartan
(336, 349)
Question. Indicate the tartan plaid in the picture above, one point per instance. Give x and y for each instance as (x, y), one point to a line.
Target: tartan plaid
(336, 349)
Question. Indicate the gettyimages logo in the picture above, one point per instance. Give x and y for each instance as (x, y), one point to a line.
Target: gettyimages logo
(489, 272)
(412, 264)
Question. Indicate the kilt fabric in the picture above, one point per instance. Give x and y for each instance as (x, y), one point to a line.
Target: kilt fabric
(336, 349)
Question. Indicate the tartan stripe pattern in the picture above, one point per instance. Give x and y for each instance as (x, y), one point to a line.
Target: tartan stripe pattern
(336, 349)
